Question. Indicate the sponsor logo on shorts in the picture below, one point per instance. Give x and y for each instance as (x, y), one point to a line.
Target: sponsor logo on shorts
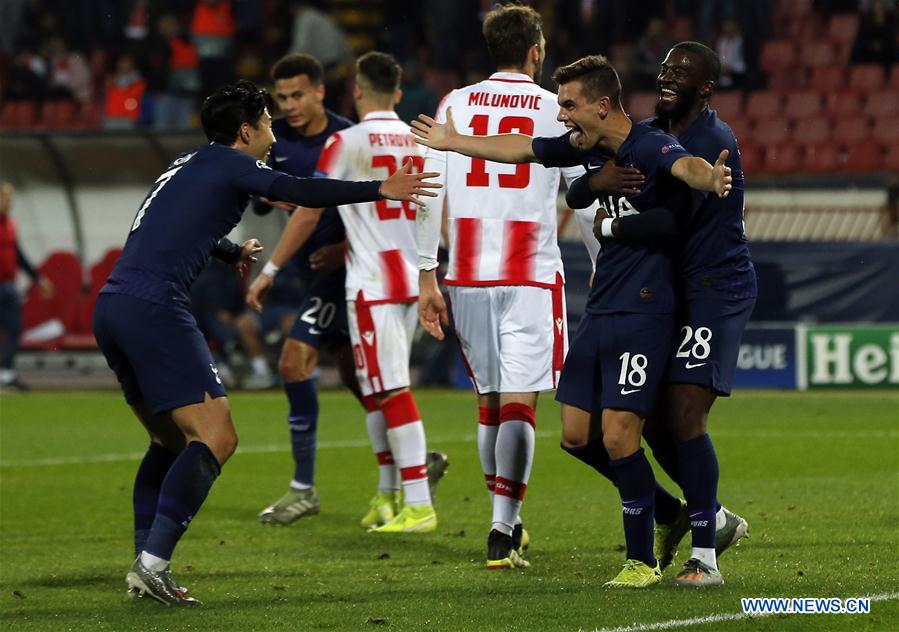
(215, 372)
(690, 365)
(368, 337)
(628, 391)
(559, 323)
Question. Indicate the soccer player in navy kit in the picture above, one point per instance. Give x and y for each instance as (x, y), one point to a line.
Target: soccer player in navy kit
(143, 324)
(617, 359)
(717, 288)
(321, 317)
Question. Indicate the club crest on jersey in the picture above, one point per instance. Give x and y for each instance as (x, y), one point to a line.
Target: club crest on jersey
(559, 323)
(262, 165)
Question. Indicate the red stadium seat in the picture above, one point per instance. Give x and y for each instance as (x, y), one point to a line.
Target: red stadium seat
(803, 104)
(764, 104)
(812, 130)
(866, 77)
(894, 78)
(886, 130)
(855, 129)
(60, 114)
(681, 30)
(816, 54)
(728, 104)
(751, 158)
(63, 270)
(891, 160)
(843, 104)
(798, 7)
(843, 27)
(99, 273)
(18, 115)
(821, 158)
(778, 55)
(783, 158)
(772, 131)
(784, 81)
(642, 105)
(741, 127)
(863, 158)
(828, 78)
(883, 104)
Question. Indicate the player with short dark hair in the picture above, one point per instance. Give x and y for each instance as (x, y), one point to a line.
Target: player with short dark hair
(143, 324)
(619, 354)
(717, 287)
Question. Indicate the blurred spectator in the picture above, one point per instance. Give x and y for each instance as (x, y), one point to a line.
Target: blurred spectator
(70, 75)
(875, 42)
(11, 259)
(213, 29)
(730, 49)
(318, 35)
(10, 18)
(648, 54)
(124, 95)
(216, 298)
(177, 81)
(418, 97)
(28, 76)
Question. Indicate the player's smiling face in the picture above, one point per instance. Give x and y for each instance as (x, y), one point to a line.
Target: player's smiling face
(679, 84)
(259, 138)
(300, 100)
(581, 116)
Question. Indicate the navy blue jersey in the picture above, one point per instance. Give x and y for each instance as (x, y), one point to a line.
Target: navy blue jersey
(631, 277)
(193, 204)
(298, 155)
(715, 256)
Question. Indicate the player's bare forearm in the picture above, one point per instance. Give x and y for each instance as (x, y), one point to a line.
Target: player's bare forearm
(297, 231)
(508, 148)
(431, 306)
(698, 174)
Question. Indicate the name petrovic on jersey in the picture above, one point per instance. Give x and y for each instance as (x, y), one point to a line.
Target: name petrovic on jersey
(524, 101)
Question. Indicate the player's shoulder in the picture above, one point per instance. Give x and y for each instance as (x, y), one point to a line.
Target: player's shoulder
(336, 122)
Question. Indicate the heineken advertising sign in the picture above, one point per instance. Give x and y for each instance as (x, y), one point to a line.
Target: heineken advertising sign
(851, 356)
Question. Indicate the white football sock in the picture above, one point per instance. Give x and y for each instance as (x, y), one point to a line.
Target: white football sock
(706, 556)
(152, 562)
(514, 458)
(720, 518)
(259, 365)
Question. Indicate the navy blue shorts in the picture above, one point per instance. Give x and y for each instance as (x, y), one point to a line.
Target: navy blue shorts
(322, 319)
(617, 361)
(707, 348)
(156, 351)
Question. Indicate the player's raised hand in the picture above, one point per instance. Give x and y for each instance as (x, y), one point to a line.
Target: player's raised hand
(619, 180)
(257, 291)
(405, 186)
(248, 250)
(433, 134)
(721, 174)
(431, 306)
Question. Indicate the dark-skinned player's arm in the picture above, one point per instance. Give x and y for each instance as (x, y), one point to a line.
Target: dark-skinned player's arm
(660, 221)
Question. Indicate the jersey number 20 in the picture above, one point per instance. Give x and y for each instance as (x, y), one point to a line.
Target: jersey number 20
(385, 208)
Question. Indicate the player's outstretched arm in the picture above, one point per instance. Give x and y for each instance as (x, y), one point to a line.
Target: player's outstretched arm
(700, 175)
(510, 148)
(405, 186)
(431, 306)
(297, 231)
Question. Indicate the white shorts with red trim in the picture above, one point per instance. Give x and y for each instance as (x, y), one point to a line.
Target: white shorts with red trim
(513, 338)
(382, 341)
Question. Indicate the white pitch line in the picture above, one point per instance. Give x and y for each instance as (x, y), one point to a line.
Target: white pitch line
(716, 618)
(258, 449)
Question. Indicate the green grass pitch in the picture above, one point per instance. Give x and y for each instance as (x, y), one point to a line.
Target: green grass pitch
(815, 474)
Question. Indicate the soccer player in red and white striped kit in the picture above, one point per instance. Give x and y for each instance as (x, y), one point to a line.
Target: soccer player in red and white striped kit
(505, 270)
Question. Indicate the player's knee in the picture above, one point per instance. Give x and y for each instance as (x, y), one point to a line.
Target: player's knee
(296, 365)
(687, 421)
(224, 444)
(620, 441)
(573, 437)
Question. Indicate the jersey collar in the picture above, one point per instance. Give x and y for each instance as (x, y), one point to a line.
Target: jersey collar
(381, 115)
(510, 77)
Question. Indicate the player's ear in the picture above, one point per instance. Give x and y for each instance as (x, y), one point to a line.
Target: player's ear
(397, 96)
(706, 89)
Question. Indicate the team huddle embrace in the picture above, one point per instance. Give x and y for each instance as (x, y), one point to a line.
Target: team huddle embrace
(660, 207)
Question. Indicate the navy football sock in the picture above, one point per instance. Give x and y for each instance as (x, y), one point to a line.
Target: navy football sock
(595, 455)
(636, 484)
(303, 422)
(667, 506)
(150, 474)
(699, 472)
(183, 491)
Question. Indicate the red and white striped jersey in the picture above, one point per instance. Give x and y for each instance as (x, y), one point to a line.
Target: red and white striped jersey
(382, 254)
(501, 218)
